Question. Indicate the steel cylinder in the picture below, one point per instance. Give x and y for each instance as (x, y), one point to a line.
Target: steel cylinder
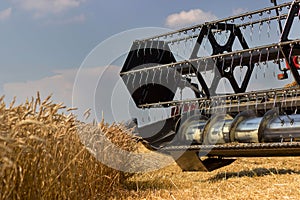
(247, 130)
(282, 129)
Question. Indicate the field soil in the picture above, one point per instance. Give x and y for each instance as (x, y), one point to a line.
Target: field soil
(246, 178)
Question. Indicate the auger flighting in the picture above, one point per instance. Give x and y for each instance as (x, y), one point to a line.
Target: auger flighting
(212, 125)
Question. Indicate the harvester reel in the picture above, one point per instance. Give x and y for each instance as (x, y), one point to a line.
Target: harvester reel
(212, 124)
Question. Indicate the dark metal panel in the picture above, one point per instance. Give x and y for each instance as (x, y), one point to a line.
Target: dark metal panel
(149, 87)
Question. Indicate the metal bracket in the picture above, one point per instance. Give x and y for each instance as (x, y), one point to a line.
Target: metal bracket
(235, 32)
(190, 161)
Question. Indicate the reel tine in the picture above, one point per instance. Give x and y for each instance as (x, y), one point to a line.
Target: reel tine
(283, 99)
(198, 65)
(138, 50)
(145, 46)
(141, 74)
(259, 58)
(267, 59)
(164, 45)
(149, 116)
(151, 47)
(251, 28)
(160, 77)
(127, 81)
(174, 72)
(206, 37)
(146, 81)
(241, 60)
(260, 25)
(291, 51)
(133, 79)
(256, 70)
(175, 109)
(250, 60)
(281, 120)
(223, 63)
(178, 108)
(168, 71)
(231, 65)
(233, 28)
(153, 77)
(171, 47)
(214, 63)
(259, 63)
(206, 64)
(293, 98)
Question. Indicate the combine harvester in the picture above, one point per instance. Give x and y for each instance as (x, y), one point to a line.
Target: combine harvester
(211, 127)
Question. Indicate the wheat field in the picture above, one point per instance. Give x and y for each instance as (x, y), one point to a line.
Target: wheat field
(42, 156)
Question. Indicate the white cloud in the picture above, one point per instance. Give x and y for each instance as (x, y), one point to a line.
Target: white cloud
(239, 11)
(5, 14)
(190, 17)
(83, 91)
(60, 85)
(43, 7)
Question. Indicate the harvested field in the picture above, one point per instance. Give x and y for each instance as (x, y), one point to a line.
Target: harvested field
(42, 157)
(246, 178)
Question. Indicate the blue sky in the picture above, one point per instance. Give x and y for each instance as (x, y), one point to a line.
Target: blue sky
(40, 39)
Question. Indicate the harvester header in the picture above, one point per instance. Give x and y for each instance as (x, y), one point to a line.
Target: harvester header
(225, 65)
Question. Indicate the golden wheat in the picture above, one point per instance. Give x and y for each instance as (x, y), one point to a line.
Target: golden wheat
(42, 157)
